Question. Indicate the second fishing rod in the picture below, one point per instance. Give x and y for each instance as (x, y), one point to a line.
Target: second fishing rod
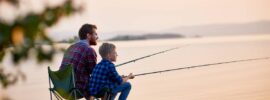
(150, 55)
(202, 65)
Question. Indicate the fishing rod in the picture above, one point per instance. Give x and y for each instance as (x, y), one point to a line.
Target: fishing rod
(148, 56)
(203, 65)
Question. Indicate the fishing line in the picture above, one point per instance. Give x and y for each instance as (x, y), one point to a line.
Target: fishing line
(203, 65)
(140, 58)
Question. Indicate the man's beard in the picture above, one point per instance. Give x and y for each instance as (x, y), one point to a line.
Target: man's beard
(93, 42)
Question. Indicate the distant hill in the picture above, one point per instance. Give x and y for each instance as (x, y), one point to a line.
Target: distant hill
(145, 36)
(223, 29)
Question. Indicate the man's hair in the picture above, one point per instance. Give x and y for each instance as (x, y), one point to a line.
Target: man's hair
(105, 49)
(85, 29)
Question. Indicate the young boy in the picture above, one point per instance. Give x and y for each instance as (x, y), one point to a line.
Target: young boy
(105, 75)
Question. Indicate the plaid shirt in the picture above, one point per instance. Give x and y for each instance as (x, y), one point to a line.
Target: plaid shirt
(104, 75)
(83, 58)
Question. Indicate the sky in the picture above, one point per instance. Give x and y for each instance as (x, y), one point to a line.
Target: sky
(138, 16)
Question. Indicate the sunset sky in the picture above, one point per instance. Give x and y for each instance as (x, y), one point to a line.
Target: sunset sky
(137, 16)
(131, 16)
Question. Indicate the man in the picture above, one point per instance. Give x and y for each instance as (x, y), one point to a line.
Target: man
(105, 75)
(82, 57)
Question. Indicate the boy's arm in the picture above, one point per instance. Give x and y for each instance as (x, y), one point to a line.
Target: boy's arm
(113, 74)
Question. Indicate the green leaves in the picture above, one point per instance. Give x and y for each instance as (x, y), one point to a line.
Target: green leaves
(28, 33)
(7, 78)
(13, 2)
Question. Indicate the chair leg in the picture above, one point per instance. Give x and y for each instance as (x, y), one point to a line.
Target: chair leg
(92, 98)
(50, 95)
(50, 88)
(104, 97)
(75, 97)
(56, 96)
(108, 97)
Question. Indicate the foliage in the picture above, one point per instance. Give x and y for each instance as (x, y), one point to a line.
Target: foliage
(70, 40)
(28, 33)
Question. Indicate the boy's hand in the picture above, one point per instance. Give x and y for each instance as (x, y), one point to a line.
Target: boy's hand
(123, 76)
(126, 78)
(131, 76)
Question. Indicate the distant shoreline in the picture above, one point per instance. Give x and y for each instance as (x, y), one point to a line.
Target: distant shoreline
(145, 37)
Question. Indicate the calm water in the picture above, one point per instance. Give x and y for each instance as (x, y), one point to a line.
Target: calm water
(235, 81)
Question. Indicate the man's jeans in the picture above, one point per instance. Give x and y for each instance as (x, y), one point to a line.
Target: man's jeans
(124, 89)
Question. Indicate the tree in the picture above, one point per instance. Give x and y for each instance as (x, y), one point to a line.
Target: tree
(27, 33)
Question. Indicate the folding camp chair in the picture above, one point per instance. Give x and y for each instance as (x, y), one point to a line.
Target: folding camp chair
(64, 86)
(104, 94)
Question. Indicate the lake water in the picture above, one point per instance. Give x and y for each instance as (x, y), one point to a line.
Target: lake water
(234, 81)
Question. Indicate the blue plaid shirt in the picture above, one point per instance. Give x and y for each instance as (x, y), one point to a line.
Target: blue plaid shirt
(104, 75)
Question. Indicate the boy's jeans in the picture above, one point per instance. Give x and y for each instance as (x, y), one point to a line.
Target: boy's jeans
(124, 89)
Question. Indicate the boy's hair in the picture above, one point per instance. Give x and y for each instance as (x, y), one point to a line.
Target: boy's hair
(85, 29)
(105, 49)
